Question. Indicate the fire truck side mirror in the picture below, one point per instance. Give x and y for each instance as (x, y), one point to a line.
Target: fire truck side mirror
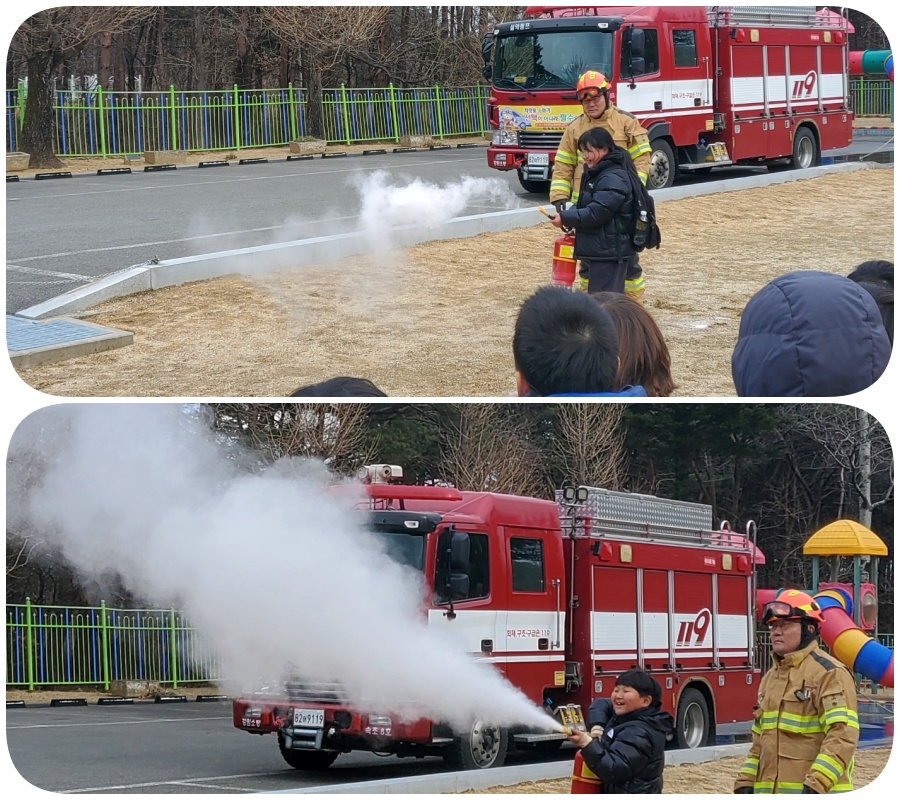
(487, 44)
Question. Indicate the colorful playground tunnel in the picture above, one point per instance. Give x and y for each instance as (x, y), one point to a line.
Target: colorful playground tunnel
(847, 642)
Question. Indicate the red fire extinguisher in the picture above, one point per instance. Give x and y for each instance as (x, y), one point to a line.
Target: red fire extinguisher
(562, 272)
(584, 781)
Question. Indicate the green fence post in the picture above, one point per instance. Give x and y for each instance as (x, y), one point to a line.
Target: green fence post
(345, 113)
(173, 118)
(293, 109)
(102, 121)
(437, 108)
(482, 116)
(29, 644)
(394, 120)
(237, 119)
(104, 644)
(172, 650)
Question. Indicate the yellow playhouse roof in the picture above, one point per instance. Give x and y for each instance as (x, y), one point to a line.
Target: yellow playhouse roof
(844, 538)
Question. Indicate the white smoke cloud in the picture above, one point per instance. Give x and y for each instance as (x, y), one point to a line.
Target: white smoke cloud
(269, 565)
(388, 204)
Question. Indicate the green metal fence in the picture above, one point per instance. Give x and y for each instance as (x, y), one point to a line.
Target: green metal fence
(59, 645)
(872, 97)
(98, 123)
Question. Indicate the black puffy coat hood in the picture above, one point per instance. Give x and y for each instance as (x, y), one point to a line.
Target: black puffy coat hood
(809, 334)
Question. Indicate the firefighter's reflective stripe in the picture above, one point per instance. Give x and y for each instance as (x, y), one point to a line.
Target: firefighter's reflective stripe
(641, 145)
(583, 780)
(635, 284)
(750, 766)
(840, 716)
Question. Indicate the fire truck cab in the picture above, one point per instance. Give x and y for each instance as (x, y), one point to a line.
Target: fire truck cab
(560, 597)
(713, 86)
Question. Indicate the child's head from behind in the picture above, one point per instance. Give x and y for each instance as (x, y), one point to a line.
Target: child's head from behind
(635, 689)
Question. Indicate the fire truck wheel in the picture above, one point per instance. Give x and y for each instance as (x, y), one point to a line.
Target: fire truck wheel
(806, 151)
(535, 187)
(692, 720)
(307, 759)
(663, 166)
(484, 746)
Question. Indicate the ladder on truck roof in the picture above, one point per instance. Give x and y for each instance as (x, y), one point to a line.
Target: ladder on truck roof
(646, 518)
(774, 17)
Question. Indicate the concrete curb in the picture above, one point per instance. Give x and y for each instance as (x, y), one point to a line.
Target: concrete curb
(267, 258)
(456, 782)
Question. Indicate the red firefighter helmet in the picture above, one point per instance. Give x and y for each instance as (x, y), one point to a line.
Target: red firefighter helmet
(591, 80)
(793, 604)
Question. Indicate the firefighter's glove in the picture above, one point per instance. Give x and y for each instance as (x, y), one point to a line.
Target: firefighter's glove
(744, 790)
(559, 205)
(807, 790)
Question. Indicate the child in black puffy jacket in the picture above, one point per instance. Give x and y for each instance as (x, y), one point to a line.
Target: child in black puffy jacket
(626, 749)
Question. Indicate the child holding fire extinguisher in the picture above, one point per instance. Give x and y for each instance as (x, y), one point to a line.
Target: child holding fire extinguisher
(602, 217)
(625, 751)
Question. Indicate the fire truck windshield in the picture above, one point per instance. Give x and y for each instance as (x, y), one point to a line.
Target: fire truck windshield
(407, 549)
(552, 59)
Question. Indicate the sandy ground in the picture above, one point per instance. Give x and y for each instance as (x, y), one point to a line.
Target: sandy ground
(713, 777)
(436, 320)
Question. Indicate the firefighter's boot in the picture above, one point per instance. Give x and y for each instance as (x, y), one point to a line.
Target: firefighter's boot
(634, 288)
(581, 279)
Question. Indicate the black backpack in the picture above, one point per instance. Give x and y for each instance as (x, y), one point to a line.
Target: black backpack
(643, 201)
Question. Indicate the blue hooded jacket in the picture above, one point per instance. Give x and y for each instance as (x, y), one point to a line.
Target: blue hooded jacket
(809, 334)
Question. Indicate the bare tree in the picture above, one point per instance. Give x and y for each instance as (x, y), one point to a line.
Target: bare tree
(333, 432)
(859, 448)
(324, 37)
(485, 451)
(591, 443)
(45, 41)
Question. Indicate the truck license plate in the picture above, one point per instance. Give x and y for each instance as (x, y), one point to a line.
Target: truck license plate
(538, 160)
(309, 717)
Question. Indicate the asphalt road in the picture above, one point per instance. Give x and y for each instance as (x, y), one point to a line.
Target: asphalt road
(183, 748)
(63, 234)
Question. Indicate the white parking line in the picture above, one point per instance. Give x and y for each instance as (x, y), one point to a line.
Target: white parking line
(71, 276)
(185, 782)
(174, 241)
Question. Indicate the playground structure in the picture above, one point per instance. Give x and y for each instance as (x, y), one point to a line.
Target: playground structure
(872, 62)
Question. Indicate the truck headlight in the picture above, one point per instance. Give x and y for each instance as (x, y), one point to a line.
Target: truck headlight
(508, 138)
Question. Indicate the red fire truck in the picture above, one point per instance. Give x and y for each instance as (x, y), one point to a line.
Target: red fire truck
(561, 597)
(714, 85)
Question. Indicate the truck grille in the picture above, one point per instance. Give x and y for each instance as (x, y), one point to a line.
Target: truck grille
(540, 140)
(307, 692)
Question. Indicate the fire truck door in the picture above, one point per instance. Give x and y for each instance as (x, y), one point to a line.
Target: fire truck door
(689, 95)
(468, 595)
(535, 629)
(777, 86)
(614, 631)
(693, 619)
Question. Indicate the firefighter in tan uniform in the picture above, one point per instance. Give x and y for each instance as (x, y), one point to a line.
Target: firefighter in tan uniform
(805, 726)
(593, 92)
